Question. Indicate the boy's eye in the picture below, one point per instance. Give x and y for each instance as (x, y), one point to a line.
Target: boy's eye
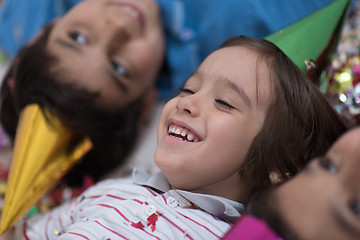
(327, 164)
(78, 37)
(186, 90)
(223, 104)
(355, 207)
(119, 69)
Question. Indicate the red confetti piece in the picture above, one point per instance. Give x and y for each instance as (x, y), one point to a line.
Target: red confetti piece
(152, 219)
(137, 225)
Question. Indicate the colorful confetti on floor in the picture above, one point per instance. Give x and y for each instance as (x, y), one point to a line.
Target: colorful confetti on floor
(342, 76)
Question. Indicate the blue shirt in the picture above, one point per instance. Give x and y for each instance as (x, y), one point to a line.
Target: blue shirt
(193, 29)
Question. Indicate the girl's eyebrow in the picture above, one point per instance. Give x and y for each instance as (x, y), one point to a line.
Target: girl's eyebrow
(239, 90)
(230, 84)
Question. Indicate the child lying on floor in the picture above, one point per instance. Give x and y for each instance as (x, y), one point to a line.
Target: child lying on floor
(321, 202)
(247, 118)
(95, 69)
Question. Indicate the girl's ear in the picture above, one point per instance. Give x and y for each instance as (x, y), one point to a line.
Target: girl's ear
(275, 177)
(148, 105)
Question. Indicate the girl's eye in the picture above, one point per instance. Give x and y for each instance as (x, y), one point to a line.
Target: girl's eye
(119, 69)
(186, 90)
(224, 104)
(355, 207)
(328, 165)
(78, 37)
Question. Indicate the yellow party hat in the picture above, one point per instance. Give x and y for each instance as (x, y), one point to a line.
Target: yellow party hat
(44, 151)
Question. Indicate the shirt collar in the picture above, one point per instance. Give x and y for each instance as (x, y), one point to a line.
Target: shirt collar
(157, 181)
(223, 208)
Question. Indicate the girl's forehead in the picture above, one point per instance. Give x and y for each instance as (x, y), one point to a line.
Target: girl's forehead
(233, 62)
(236, 53)
(240, 67)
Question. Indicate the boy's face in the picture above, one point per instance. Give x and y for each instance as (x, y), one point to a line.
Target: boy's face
(114, 47)
(323, 201)
(205, 132)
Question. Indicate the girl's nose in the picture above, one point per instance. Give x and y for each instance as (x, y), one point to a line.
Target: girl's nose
(189, 104)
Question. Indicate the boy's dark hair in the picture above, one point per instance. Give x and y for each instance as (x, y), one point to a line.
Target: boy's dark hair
(299, 125)
(33, 79)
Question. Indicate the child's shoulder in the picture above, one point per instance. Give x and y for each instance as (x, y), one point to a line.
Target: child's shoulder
(115, 186)
(112, 181)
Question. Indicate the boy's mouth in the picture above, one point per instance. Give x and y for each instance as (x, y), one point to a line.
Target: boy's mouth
(133, 10)
(182, 133)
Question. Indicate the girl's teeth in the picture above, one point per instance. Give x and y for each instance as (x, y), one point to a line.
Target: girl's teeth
(190, 137)
(184, 133)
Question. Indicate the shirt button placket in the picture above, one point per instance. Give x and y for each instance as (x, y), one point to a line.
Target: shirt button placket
(172, 202)
(150, 210)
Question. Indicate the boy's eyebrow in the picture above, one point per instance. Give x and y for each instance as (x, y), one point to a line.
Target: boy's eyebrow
(118, 81)
(68, 45)
(238, 90)
(79, 50)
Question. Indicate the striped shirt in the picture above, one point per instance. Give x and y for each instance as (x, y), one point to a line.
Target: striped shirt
(149, 209)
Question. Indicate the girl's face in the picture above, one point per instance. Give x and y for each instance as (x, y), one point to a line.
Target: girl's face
(205, 132)
(114, 47)
(323, 201)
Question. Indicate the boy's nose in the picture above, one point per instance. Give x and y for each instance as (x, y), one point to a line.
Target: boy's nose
(118, 27)
(114, 34)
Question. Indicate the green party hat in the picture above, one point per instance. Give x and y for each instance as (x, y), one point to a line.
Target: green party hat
(312, 37)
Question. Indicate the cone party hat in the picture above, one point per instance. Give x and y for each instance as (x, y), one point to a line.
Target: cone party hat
(313, 36)
(44, 151)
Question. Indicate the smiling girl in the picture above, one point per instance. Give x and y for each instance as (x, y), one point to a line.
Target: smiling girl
(247, 118)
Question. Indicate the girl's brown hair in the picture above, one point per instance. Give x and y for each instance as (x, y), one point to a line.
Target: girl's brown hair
(299, 125)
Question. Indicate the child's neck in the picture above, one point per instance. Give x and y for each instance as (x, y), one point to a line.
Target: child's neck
(231, 188)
